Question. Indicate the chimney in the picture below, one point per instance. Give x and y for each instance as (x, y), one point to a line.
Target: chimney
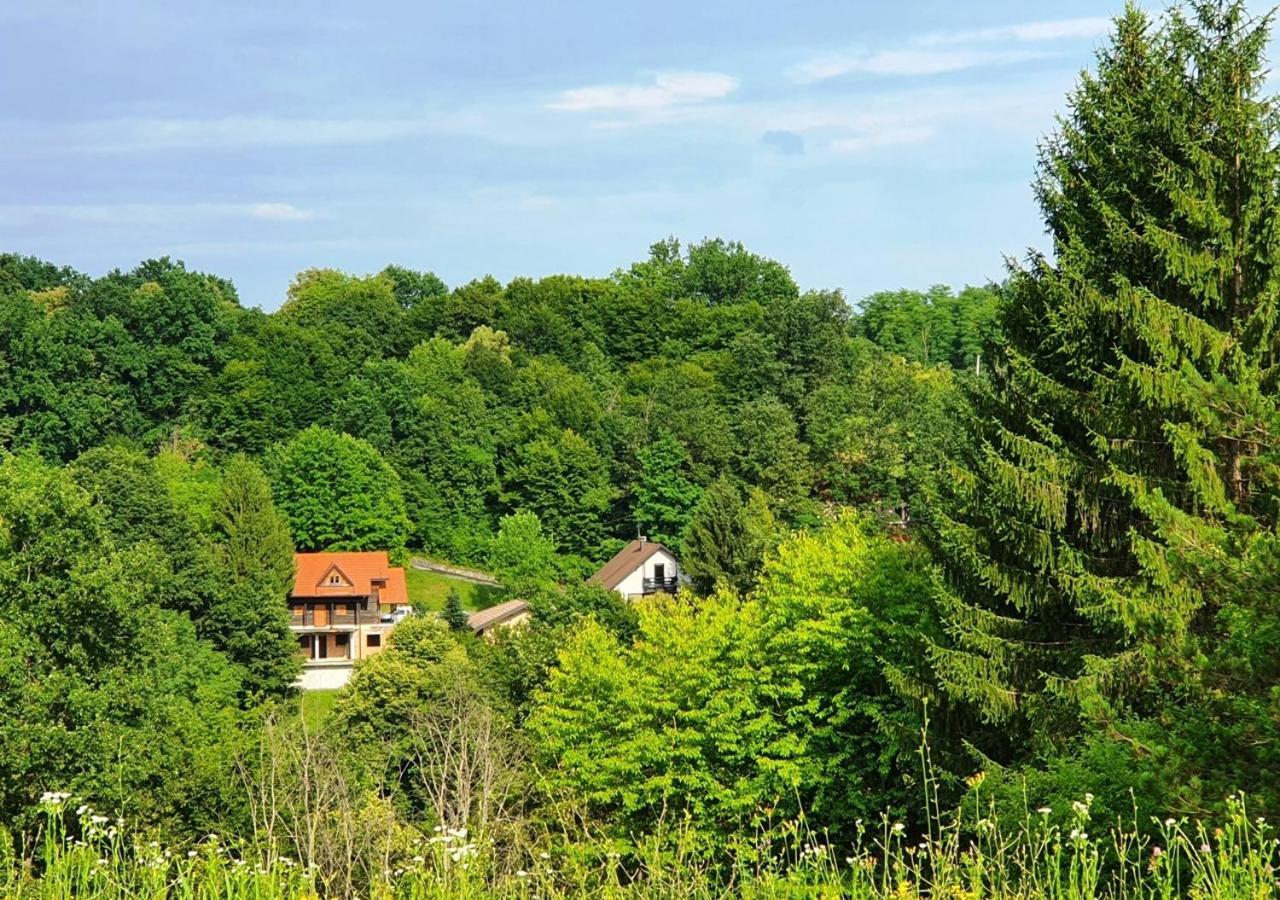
(644, 538)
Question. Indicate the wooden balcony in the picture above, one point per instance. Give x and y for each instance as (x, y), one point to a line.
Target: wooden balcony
(324, 618)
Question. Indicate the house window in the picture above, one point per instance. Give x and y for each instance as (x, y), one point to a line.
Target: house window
(373, 640)
(335, 578)
(340, 639)
(659, 572)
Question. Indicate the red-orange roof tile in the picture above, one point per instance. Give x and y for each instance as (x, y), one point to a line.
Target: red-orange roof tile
(356, 573)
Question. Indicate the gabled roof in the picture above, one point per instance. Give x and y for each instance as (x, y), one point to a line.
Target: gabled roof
(358, 572)
(626, 561)
(496, 615)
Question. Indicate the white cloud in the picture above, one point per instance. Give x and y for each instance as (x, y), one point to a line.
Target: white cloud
(951, 51)
(280, 212)
(668, 89)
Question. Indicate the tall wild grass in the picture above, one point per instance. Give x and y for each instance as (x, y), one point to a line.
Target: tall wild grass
(1049, 854)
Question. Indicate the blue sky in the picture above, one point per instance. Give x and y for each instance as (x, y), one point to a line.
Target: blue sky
(866, 145)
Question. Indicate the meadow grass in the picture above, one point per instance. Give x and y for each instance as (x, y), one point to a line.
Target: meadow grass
(315, 707)
(1051, 854)
(428, 590)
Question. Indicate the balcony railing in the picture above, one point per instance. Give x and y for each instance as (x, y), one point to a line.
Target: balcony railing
(307, 619)
(660, 585)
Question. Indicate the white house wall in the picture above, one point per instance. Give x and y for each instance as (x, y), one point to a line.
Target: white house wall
(633, 584)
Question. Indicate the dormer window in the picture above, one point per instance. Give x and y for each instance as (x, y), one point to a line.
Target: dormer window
(335, 578)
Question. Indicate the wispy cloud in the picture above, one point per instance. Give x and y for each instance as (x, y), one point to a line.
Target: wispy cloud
(882, 138)
(668, 89)
(143, 135)
(1050, 30)
(951, 51)
(18, 215)
(280, 212)
(906, 62)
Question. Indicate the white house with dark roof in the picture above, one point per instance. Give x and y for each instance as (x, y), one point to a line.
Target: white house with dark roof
(642, 567)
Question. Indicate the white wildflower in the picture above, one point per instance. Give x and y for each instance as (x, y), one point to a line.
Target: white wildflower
(1045, 810)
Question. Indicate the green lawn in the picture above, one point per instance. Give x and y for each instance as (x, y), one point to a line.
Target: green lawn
(427, 591)
(316, 706)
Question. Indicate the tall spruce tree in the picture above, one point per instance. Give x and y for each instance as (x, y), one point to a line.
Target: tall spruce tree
(1111, 532)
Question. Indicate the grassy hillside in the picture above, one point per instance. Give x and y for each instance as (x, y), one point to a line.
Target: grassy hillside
(427, 591)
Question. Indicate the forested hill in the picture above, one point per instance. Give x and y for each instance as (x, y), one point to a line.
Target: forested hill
(606, 406)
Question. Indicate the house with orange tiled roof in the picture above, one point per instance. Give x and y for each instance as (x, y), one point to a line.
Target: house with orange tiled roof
(342, 608)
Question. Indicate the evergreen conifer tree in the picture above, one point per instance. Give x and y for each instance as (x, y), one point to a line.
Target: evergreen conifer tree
(454, 615)
(1108, 536)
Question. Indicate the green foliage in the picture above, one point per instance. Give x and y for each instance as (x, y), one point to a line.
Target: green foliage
(253, 554)
(454, 615)
(521, 556)
(563, 480)
(361, 317)
(726, 539)
(882, 436)
(769, 455)
(568, 606)
(846, 617)
(1112, 531)
(673, 722)
(105, 693)
(337, 493)
(418, 720)
(251, 537)
(935, 327)
(665, 495)
(85, 360)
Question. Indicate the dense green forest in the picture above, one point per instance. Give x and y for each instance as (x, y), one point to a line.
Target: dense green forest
(970, 570)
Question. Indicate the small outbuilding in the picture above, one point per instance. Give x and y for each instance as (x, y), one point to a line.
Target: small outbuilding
(504, 615)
